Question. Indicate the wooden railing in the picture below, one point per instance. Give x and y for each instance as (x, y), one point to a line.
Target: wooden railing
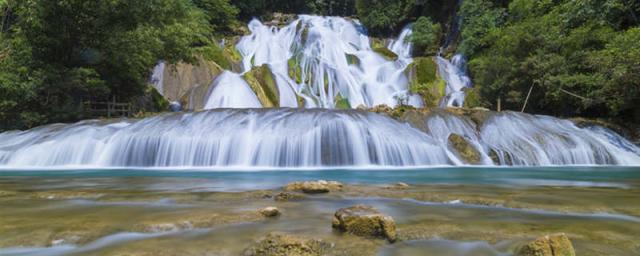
(108, 109)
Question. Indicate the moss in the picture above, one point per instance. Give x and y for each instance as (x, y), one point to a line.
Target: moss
(464, 149)
(284, 244)
(352, 59)
(264, 85)
(472, 98)
(342, 103)
(295, 71)
(551, 245)
(386, 53)
(425, 81)
(216, 54)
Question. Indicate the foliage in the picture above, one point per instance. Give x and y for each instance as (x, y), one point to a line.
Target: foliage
(220, 13)
(62, 53)
(425, 36)
(383, 17)
(579, 56)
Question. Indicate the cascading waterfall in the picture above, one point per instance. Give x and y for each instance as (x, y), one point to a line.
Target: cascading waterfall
(333, 58)
(310, 138)
(454, 74)
(229, 90)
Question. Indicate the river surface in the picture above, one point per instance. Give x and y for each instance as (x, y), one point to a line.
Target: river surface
(444, 211)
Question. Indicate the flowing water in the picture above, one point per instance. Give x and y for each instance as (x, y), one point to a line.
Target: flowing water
(316, 138)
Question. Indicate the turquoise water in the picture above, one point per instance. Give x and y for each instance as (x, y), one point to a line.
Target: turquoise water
(241, 179)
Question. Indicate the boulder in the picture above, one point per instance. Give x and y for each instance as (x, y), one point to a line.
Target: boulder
(386, 53)
(285, 244)
(180, 79)
(314, 187)
(464, 149)
(263, 83)
(366, 221)
(270, 211)
(550, 245)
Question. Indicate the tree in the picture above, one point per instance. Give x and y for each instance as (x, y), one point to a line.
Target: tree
(425, 36)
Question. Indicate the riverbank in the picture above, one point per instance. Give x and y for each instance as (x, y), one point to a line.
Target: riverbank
(141, 213)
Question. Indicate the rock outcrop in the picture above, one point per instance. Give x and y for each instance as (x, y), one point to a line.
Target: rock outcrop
(550, 245)
(270, 211)
(464, 149)
(366, 221)
(262, 82)
(314, 187)
(285, 244)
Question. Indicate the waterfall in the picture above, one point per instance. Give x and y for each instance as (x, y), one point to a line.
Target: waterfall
(157, 77)
(454, 74)
(229, 90)
(230, 138)
(324, 59)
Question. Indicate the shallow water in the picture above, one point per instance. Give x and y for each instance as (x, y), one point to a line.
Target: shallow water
(446, 211)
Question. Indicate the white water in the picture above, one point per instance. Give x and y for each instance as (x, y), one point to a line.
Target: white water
(319, 47)
(308, 138)
(157, 77)
(456, 78)
(231, 91)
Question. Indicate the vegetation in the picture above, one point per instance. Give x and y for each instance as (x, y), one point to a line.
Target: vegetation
(425, 36)
(578, 57)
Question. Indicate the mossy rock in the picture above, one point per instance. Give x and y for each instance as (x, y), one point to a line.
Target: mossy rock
(366, 221)
(550, 245)
(386, 53)
(295, 71)
(262, 82)
(425, 81)
(464, 149)
(189, 83)
(290, 245)
(352, 59)
(472, 98)
(342, 103)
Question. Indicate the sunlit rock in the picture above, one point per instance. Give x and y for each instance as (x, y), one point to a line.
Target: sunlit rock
(550, 245)
(363, 220)
(290, 245)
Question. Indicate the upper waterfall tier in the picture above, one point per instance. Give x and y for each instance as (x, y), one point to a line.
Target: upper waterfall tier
(315, 138)
(322, 58)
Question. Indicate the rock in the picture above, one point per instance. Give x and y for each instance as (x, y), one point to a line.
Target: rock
(181, 79)
(286, 196)
(284, 244)
(464, 149)
(175, 106)
(363, 220)
(399, 185)
(270, 211)
(314, 187)
(386, 53)
(262, 82)
(550, 245)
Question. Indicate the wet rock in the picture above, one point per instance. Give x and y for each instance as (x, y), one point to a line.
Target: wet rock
(286, 196)
(399, 185)
(386, 53)
(285, 244)
(270, 211)
(550, 245)
(314, 187)
(464, 149)
(364, 220)
(262, 82)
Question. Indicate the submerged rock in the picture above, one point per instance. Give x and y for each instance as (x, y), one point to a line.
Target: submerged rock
(286, 196)
(550, 245)
(464, 149)
(314, 187)
(270, 211)
(364, 220)
(285, 244)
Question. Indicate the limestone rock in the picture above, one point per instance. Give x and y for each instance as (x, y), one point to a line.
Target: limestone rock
(386, 53)
(363, 220)
(270, 211)
(314, 187)
(285, 244)
(180, 80)
(550, 245)
(464, 149)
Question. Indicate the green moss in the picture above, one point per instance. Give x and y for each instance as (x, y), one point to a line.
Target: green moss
(159, 102)
(472, 98)
(386, 53)
(425, 81)
(216, 54)
(261, 81)
(295, 72)
(352, 59)
(342, 103)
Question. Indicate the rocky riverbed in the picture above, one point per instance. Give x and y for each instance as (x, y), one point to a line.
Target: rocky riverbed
(189, 216)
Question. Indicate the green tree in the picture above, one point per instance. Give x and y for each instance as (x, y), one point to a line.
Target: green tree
(425, 36)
